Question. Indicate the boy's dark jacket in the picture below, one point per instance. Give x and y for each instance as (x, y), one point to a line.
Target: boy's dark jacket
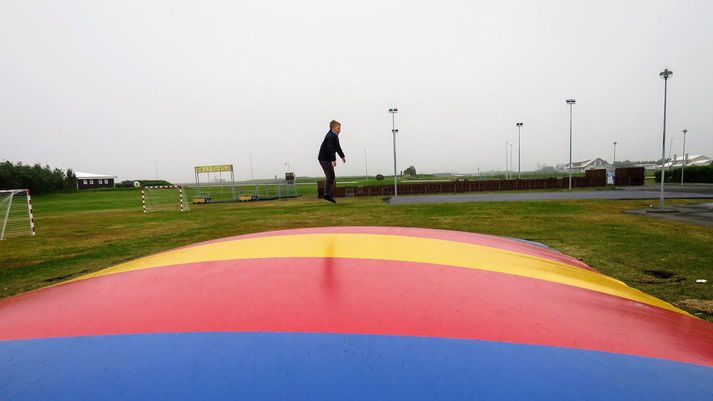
(329, 147)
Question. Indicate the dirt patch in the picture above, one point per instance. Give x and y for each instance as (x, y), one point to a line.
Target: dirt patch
(661, 274)
(64, 277)
(697, 305)
(658, 277)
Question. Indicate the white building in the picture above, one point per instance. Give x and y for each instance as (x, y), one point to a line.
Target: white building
(93, 180)
(677, 162)
(582, 166)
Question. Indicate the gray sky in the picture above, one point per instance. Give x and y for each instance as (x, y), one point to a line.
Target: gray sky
(112, 86)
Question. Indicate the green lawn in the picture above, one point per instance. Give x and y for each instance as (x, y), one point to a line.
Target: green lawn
(389, 180)
(83, 232)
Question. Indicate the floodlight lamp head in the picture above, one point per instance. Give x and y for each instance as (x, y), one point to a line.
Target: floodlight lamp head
(665, 73)
(571, 101)
(519, 124)
(393, 110)
(685, 131)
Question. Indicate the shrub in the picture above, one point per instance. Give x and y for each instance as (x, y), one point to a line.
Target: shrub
(690, 174)
(37, 178)
(153, 183)
(124, 184)
(379, 177)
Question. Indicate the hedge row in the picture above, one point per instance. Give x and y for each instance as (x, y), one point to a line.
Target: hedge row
(146, 183)
(690, 174)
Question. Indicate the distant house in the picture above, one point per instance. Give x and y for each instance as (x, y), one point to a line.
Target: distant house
(91, 180)
(580, 167)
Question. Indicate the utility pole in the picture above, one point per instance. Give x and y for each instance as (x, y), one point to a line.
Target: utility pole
(664, 74)
(518, 125)
(393, 112)
(366, 169)
(684, 155)
(252, 176)
(507, 165)
(570, 102)
(511, 171)
(614, 165)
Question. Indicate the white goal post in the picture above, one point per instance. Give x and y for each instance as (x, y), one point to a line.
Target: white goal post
(16, 217)
(163, 198)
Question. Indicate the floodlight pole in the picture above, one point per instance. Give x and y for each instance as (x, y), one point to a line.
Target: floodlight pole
(507, 166)
(684, 156)
(366, 168)
(510, 160)
(570, 102)
(393, 112)
(664, 74)
(614, 165)
(518, 125)
(252, 175)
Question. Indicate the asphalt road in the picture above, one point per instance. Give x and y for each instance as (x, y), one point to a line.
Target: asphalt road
(648, 192)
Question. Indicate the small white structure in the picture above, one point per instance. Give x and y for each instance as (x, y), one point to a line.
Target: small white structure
(93, 180)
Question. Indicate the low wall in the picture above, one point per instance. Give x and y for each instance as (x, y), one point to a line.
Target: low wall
(592, 178)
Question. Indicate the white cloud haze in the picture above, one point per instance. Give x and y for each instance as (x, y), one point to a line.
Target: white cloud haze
(112, 86)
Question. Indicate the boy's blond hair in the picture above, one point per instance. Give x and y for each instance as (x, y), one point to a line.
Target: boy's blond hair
(334, 123)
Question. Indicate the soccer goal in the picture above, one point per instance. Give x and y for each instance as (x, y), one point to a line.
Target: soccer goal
(163, 198)
(16, 213)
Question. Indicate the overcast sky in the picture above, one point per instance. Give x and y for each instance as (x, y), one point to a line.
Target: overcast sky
(113, 86)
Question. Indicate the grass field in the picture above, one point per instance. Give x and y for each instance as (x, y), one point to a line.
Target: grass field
(83, 232)
(389, 180)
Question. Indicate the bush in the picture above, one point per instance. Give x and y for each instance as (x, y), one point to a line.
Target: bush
(145, 183)
(124, 184)
(379, 177)
(690, 174)
(38, 179)
(152, 183)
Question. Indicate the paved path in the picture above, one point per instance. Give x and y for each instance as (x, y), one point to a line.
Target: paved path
(701, 214)
(622, 194)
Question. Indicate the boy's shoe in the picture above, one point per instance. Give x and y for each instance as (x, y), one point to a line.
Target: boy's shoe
(329, 198)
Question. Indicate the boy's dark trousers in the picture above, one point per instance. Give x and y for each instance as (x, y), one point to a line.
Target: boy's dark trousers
(329, 173)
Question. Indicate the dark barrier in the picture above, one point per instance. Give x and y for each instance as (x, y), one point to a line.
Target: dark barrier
(598, 177)
(629, 176)
(592, 178)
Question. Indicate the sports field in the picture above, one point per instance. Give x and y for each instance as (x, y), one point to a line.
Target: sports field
(83, 232)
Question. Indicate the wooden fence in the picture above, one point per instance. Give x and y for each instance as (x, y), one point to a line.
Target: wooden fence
(592, 178)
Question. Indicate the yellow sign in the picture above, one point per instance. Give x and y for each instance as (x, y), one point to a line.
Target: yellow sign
(214, 169)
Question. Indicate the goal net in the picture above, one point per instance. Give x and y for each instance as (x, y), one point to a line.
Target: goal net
(163, 198)
(16, 213)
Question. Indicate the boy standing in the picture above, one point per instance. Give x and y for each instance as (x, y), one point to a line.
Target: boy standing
(327, 158)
